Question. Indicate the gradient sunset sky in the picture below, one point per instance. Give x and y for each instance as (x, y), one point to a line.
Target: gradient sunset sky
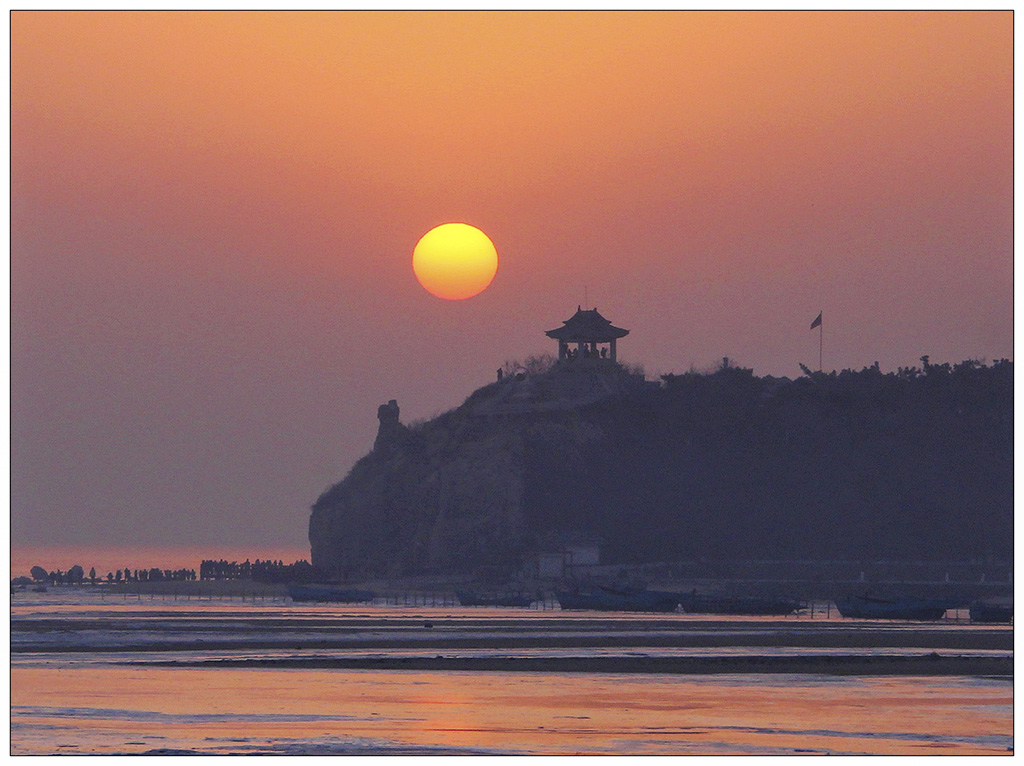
(213, 218)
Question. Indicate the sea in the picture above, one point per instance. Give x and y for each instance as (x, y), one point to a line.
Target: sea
(98, 671)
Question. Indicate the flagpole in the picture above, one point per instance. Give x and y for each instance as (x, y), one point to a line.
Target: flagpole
(821, 336)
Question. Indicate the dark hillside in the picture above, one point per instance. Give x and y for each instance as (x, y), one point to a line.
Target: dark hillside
(916, 464)
(862, 465)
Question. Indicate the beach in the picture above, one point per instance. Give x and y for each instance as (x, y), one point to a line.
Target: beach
(96, 673)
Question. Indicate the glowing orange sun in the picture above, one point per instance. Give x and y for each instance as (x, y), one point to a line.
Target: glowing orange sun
(455, 261)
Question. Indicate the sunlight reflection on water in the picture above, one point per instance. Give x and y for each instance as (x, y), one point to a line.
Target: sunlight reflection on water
(218, 711)
(89, 701)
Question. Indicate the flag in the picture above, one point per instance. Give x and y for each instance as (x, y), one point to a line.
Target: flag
(816, 322)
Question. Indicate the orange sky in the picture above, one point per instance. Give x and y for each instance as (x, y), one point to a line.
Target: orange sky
(213, 217)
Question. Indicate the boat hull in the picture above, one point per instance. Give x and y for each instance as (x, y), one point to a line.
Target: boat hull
(327, 594)
(995, 613)
(692, 604)
(611, 601)
(900, 609)
(472, 599)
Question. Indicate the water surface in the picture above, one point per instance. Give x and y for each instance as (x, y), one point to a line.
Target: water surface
(84, 679)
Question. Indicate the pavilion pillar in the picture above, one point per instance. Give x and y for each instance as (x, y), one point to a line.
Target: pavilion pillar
(611, 349)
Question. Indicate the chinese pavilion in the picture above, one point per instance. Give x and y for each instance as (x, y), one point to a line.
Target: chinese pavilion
(593, 335)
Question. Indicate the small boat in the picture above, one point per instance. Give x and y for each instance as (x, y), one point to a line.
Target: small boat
(982, 612)
(744, 605)
(608, 599)
(868, 608)
(328, 593)
(511, 599)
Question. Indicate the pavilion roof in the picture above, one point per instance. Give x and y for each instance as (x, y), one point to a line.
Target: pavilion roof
(586, 326)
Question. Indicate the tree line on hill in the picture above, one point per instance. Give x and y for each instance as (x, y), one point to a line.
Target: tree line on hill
(76, 575)
(259, 571)
(850, 464)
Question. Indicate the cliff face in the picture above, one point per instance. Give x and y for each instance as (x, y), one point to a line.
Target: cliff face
(855, 465)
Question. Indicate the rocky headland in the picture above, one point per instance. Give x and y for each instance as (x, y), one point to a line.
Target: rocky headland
(911, 465)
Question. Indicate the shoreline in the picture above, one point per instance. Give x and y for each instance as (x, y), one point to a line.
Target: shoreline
(438, 594)
(931, 664)
(448, 634)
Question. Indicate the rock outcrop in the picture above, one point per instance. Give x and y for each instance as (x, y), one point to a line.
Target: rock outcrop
(853, 465)
(391, 433)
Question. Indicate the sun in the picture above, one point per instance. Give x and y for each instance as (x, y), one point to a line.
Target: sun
(455, 261)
